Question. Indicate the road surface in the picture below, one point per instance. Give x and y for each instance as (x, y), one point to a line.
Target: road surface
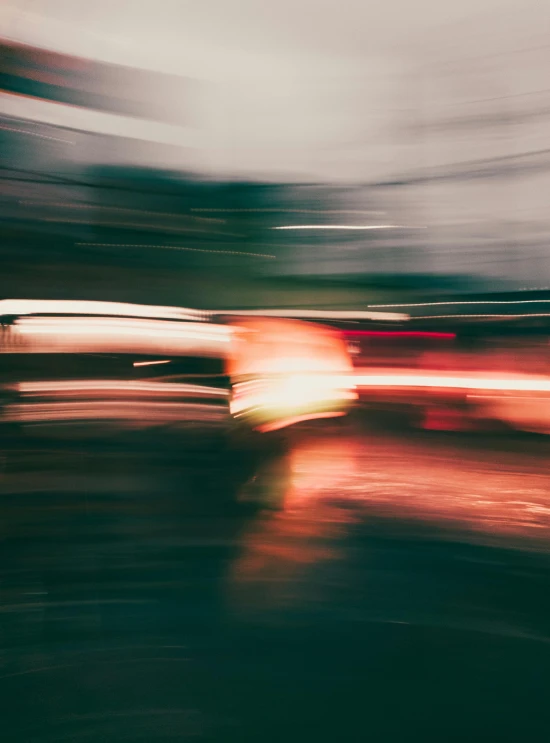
(401, 593)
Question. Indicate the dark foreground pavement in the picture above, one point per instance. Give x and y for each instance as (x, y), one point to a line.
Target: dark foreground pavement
(401, 594)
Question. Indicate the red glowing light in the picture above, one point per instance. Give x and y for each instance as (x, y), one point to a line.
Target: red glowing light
(402, 334)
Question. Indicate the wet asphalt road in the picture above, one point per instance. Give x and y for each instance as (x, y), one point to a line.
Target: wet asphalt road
(400, 592)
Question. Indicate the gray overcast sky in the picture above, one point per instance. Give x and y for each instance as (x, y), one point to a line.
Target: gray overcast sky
(215, 33)
(303, 86)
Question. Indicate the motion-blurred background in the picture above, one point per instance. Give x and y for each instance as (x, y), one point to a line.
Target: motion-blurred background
(274, 370)
(177, 140)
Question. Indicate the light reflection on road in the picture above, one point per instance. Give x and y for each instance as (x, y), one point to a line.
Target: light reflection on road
(457, 488)
(476, 483)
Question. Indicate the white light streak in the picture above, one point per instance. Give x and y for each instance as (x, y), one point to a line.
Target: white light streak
(85, 334)
(35, 134)
(151, 363)
(500, 316)
(340, 227)
(123, 327)
(293, 211)
(81, 386)
(144, 412)
(469, 302)
(286, 422)
(177, 247)
(318, 314)
(514, 384)
(18, 307)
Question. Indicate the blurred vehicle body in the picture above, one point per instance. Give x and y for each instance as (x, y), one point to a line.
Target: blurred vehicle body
(225, 387)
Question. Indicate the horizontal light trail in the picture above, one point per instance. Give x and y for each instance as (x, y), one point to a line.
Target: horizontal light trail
(17, 307)
(363, 379)
(151, 363)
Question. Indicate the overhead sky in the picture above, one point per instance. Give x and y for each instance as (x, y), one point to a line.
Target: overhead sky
(295, 87)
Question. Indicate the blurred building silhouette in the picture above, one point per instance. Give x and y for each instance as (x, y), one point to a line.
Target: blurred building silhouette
(103, 164)
(99, 86)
